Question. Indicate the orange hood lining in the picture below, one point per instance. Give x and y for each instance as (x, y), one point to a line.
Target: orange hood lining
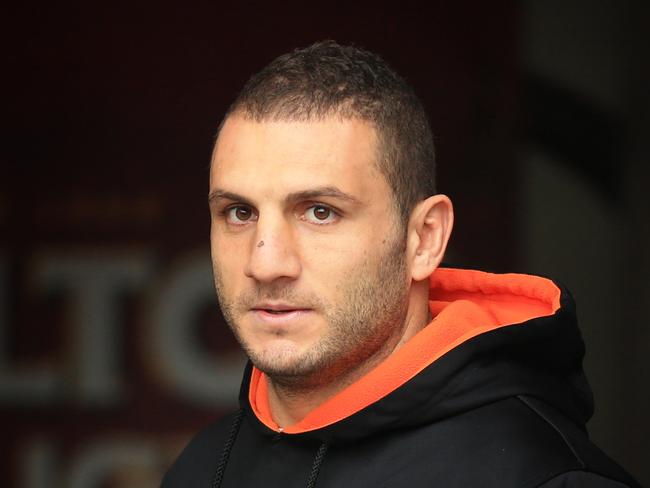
(464, 304)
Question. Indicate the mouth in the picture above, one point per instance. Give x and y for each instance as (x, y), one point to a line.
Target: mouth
(278, 310)
(282, 312)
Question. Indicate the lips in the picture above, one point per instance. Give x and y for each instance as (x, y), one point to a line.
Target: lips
(279, 314)
(278, 308)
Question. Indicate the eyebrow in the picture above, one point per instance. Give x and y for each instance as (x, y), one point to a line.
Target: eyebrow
(227, 195)
(322, 191)
(312, 193)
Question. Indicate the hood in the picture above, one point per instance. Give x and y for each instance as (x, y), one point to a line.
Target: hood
(492, 336)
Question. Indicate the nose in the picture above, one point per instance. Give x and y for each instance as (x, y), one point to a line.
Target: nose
(273, 252)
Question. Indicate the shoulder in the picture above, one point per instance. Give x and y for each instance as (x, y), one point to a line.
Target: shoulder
(582, 479)
(594, 465)
(549, 448)
(196, 464)
(517, 441)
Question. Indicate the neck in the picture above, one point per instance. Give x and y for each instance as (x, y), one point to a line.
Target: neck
(290, 402)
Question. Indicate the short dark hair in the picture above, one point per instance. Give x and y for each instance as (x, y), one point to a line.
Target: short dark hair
(327, 79)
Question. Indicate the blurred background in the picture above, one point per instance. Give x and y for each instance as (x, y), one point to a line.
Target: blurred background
(112, 348)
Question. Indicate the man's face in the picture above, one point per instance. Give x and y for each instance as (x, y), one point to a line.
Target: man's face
(308, 258)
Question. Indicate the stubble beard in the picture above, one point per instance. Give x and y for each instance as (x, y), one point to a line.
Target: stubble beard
(362, 328)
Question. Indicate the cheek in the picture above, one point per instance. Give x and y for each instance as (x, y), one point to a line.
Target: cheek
(227, 251)
(227, 265)
(329, 266)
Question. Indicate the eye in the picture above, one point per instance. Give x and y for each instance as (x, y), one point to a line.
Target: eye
(321, 215)
(240, 215)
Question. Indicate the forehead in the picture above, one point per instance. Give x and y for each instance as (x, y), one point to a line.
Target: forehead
(293, 155)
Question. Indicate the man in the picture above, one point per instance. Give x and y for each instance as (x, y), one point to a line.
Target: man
(370, 365)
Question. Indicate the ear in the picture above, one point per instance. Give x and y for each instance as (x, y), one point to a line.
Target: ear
(429, 230)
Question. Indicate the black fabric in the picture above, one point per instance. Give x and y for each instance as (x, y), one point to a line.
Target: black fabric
(315, 469)
(225, 454)
(504, 409)
(581, 479)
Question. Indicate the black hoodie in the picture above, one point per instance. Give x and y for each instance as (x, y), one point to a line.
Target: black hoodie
(490, 394)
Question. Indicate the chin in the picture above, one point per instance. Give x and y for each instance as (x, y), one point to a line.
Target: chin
(287, 363)
(281, 357)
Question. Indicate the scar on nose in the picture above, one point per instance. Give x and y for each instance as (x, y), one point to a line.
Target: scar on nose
(260, 244)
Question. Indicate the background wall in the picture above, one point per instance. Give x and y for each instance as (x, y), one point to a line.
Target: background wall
(112, 349)
(584, 209)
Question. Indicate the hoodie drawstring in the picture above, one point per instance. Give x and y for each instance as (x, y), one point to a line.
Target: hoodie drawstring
(230, 441)
(225, 453)
(315, 468)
